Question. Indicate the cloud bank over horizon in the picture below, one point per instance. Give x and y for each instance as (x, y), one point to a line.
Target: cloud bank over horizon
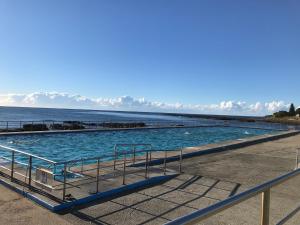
(128, 103)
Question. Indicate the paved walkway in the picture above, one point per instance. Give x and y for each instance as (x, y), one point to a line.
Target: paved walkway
(15, 210)
(206, 180)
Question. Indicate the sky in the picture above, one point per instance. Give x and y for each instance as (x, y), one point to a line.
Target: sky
(221, 57)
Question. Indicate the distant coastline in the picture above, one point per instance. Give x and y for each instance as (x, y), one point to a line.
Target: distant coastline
(291, 117)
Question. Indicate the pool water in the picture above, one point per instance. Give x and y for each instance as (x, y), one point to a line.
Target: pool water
(70, 146)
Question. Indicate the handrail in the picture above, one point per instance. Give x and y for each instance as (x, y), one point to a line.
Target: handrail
(135, 144)
(26, 153)
(126, 154)
(83, 159)
(112, 155)
(202, 214)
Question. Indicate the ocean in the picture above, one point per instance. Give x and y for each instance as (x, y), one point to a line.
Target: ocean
(52, 114)
(41, 114)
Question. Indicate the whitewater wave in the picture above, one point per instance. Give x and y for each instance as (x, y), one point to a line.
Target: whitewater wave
(23, 142)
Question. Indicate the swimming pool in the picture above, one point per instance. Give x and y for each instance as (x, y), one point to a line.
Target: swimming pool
(69, 146)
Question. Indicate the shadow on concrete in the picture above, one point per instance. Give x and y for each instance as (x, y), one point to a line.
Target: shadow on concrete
(289, 216)
(159, 204)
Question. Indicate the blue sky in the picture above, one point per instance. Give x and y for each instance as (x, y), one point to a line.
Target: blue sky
(169, 51)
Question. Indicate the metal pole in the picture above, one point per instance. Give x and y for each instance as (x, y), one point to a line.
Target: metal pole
(180, 161)
(165, 163)
(12, 165)
(30, 167)
(124, 168)
(297, 158)
(115, 151)
(97, 178)
(134, 154)
(146, 165)
(265, 214)
(81, 165)
(7, 126)
(65, 180)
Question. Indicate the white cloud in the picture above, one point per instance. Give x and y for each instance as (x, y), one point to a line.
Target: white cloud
(276, 106)
(257, 107)
(64, 100)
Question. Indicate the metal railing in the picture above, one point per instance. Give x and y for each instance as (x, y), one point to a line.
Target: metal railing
(12, 160)
(119, 161)
(263, 189)
(66, 175)
(132, 148)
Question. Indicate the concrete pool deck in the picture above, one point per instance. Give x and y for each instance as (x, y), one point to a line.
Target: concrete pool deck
(206, 180)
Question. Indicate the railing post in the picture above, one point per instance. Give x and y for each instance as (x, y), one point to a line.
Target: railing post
(12, 165)
(97, 178)
(165, 163)
(180, 161)
(29, 171)
(115, 158)
(7, 126)
(65, 180)
(134, 154)
(124, 168)
(297, 158)
(265, 213)
(81, 165)
(146, 165)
